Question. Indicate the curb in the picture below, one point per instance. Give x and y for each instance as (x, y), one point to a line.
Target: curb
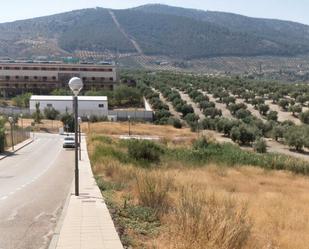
(27, 143)
(55, 238)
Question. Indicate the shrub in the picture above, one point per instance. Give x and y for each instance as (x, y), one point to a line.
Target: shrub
(177, 123)
(260, 146)
(201, 143)
(51, 113)
(142, 150)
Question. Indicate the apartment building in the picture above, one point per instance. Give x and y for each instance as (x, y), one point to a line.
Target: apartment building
(17, 77)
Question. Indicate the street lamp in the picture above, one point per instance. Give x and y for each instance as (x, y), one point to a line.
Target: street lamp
(11, 121)
(79, 140)
(88, 119)
(22, 125)
(76, 86)
(129, 118)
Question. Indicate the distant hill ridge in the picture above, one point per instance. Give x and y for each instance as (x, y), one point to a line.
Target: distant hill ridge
(158, 30)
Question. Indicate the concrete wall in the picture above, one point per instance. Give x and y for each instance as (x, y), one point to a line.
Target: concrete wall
(122, 115)
(84, 107)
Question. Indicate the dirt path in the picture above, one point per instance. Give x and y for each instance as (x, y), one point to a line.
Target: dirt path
(220, 106)
(282, 116)
(196, 108)
(250, 108)
(170, 106)
(131, 39)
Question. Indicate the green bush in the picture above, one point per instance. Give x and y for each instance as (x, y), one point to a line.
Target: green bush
(142, 150)
(260, 146)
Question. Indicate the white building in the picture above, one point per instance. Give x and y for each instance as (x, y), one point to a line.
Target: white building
(87, 105)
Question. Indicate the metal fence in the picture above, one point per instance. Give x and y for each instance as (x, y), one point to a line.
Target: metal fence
(10, 110)
(16, 136)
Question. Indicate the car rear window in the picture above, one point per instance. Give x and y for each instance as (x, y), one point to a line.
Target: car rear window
(69, 139)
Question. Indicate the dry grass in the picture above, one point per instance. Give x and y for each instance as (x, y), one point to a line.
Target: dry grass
(213, 207)
(121, 128)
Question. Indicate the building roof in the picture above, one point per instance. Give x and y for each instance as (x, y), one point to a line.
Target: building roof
(66, 98)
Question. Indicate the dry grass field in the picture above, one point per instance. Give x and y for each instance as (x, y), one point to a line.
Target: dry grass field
(122, 128)
(209, 206)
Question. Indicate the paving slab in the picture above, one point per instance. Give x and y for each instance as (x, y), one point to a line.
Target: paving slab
(86, 222)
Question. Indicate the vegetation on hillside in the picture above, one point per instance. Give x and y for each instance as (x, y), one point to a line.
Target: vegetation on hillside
(159, 30)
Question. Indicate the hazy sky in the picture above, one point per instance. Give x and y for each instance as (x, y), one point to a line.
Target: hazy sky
(295, 10)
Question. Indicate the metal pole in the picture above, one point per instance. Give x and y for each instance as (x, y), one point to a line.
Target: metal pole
(80, 141)
(129, 127)
(12, 140)
(76, 146)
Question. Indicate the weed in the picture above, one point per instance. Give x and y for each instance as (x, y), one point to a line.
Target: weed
(152, 190)
(207, 220)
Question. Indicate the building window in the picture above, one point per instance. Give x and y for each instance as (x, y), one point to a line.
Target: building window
(101, 105)
(26, 77)
(111, 78)
(44, 78)
(49, 105)
(7, 77)
(35, 77)
(54, 77)
(93, 78)
(17, 77)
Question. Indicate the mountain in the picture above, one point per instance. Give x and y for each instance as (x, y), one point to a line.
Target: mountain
(153, 30)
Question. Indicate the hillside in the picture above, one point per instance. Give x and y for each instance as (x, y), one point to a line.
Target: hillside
(158, 30)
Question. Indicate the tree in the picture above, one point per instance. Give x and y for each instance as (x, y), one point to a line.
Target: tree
(68, 121)
(263, 109)
(272, 115)
(243, 134)
(51, 113)
(242, 114)
(295, 109)
(212, 112)
(37, 115)
(304, 117)
(295, 137)
(2, 134)
(22, 100)
(278, 132)
(225, 125)
(284, 103)
(260, 145)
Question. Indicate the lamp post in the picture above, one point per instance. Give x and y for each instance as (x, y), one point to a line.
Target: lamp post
(11, 121)
(76, 86)
(88, 119)
(22, 125)
(129, 119)
(79, 139)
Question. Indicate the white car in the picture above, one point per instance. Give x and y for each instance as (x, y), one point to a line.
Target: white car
(69, 142)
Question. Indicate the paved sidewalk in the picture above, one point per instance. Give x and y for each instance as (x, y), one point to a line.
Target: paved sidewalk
(87, 223)
(17, 147)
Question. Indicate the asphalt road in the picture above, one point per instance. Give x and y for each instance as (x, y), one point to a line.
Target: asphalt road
(34, 184)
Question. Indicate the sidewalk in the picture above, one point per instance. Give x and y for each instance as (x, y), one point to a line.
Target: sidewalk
(17, 147)
(86, 222)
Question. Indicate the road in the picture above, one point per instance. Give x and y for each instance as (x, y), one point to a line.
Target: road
(34, 184)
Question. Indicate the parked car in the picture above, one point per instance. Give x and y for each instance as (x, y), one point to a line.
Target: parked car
(69, 142)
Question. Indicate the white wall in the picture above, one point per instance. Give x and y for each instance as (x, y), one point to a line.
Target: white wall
(85, 107)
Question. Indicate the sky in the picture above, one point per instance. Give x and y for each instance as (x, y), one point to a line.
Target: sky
(293, 10)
